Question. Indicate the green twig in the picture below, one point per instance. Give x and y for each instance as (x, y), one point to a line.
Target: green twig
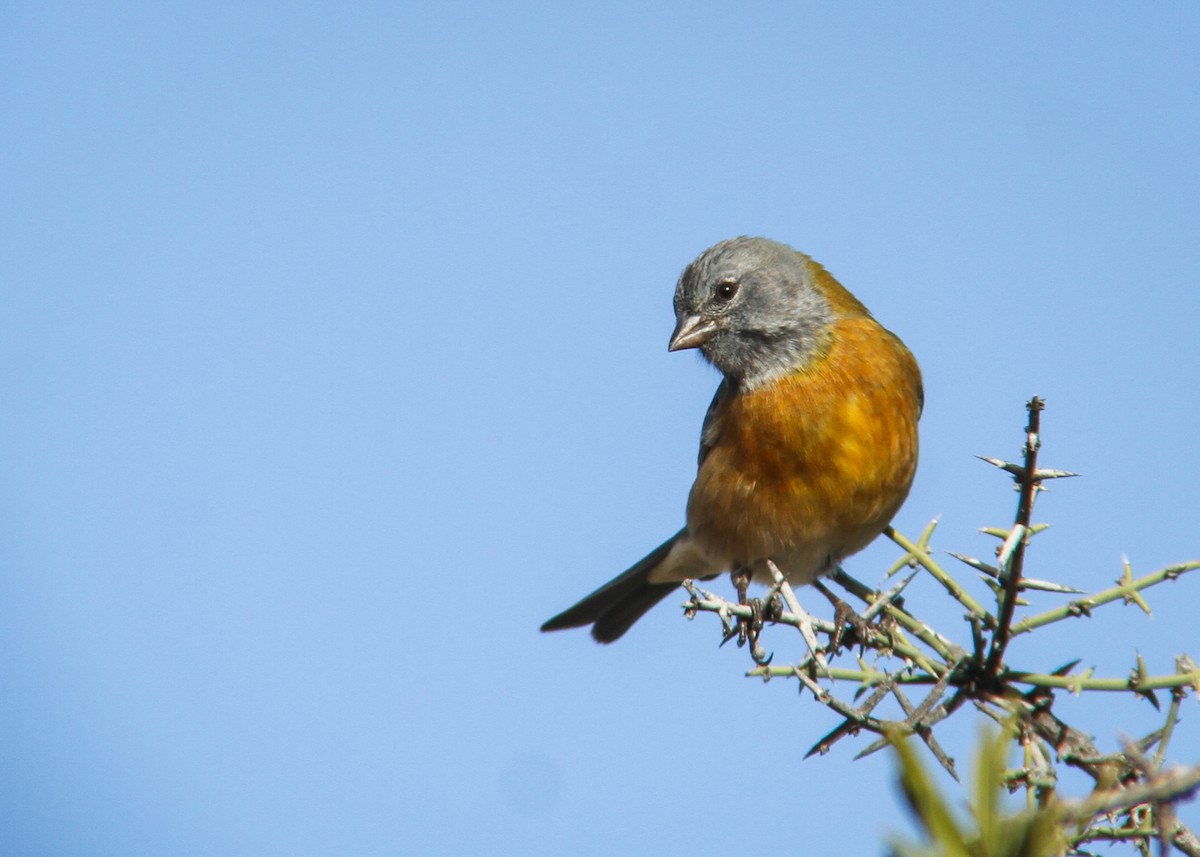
(918, 553)
(1084, 606)
(1075, 684)
(867, 678)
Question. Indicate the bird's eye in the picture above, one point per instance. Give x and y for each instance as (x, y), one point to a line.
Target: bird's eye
(726, 291)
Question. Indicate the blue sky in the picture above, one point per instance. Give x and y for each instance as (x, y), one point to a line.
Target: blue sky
(333, 355)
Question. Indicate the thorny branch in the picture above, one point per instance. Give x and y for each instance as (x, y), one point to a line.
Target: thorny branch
(1011, 560)
(910, 652)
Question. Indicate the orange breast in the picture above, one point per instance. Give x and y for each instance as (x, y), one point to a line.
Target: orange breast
(810, 468)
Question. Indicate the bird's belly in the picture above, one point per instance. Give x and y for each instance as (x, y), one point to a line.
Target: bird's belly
(803, 492)
(805, 531)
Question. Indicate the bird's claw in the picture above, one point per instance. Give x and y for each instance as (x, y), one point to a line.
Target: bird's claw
(749, 630)
(843, 615)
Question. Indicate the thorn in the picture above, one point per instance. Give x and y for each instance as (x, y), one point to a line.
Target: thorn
(1137, 681)
(1016, 470)
(1082, 607)
(1150, 740)
(1039, 475)
(926, 533)
(847, 727)
(978, 565)
(1047, 586)
(1185, 666)
(874, 747)
(886, 598)
(1132, 596)
(1077, 686)
(1066, 668)
(997, 589)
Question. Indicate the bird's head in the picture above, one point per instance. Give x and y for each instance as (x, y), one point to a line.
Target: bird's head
(755, 308)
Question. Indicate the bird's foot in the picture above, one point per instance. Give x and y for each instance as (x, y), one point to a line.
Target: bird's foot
(753, 630)
(749, 629)
(843, 615)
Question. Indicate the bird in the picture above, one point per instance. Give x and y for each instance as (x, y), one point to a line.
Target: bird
(809, 447)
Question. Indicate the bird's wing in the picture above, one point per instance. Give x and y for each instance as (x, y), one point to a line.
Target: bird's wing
(708, 432)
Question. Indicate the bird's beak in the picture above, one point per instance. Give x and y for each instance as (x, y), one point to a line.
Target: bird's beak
(692, 331)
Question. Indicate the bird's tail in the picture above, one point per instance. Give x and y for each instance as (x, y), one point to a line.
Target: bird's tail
(613, 608)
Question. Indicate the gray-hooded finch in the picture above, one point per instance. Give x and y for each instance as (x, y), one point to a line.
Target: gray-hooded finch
(809, 446)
